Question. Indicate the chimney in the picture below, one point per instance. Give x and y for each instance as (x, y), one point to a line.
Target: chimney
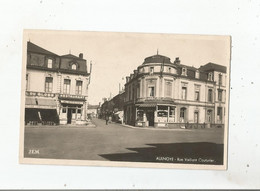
(177, 60)
(81, 55)
(127, 79)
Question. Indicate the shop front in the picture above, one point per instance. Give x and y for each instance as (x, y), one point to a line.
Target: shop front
(154, 115)
(72, 111)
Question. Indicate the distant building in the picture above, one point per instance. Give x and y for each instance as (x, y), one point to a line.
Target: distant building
(114, 107)
(162, 93)
(93, 110)
(56, 87)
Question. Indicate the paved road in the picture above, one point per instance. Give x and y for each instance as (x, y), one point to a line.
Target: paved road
(119, 143)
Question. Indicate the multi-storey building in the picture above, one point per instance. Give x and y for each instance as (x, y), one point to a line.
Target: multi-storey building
(56, 87)
(162, 93)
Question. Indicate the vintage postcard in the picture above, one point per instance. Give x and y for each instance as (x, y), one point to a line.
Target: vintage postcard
(125, 99)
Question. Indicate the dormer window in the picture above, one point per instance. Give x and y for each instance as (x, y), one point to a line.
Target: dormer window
(197, 74)
(151, 70)
(210, 76)
(49, 64)
(184, 71)
(73, 66)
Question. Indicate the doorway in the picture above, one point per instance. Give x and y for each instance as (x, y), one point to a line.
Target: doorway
(69, 116)
(150, 118)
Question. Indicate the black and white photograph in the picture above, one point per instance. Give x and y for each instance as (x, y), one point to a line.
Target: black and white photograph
(125, 99)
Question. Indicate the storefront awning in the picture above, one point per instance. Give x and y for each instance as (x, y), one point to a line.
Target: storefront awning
(30, 101)
(46, 102)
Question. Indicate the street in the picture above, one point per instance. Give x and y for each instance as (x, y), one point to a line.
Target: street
(115, 142)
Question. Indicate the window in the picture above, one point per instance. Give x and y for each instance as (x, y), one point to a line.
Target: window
(162, 114)
(182, 114)
(168, 89)
(219, 113)
(184, 71)
(220, 79)
(197, 95)
(210, 76)
(151, 70)
(220, 95)
(172, 113)
(48, 84)
(49, 64)
(73, 66)
(209, 116)
(78, 87)
(184, 93)
(197, 74)
(197, 92)
(151, 91)
(196, 117)
(64, 110)
(138, 90)
(27, 82)
(210, 95)
(140, 115)
(66, 86)
(170, 70)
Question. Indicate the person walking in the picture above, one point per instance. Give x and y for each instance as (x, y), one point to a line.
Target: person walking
(107, 118)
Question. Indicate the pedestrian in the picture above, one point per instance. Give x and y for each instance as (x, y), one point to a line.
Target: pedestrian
(106, 119)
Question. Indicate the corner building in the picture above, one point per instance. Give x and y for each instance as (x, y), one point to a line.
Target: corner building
(56, 87)
(162, 93)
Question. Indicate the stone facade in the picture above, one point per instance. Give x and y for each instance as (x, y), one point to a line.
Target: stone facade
(57, 85)
(162, 93)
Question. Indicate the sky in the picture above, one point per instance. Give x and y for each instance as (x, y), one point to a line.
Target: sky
(115, 55)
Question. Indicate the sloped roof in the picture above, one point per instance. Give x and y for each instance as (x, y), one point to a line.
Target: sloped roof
(36, 49)
(72, 56)
(157, 59)
(213, 67)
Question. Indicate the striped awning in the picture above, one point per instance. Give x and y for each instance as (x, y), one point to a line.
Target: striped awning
(32, 102)
(46, 102)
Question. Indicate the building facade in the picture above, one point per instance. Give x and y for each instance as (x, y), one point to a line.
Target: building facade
(56, 87)
(162, 93)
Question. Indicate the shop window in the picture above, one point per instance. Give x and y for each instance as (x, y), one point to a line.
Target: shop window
(140, 115)
(162, 113)
(49, 63)
(78, 87)
(151, 92)
(210, 95)
(48, 84)
(73, 110)
(64, 110)
(66, 86)
(79, 111)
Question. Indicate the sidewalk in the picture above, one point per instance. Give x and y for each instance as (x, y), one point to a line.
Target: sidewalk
(90, 125)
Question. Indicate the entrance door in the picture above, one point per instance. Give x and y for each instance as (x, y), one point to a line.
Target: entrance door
(150, 118)
(69, 115)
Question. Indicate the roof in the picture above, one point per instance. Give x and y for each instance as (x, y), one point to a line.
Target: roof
(36, 49)
(213, 67)
(72, 56)
(157, 59)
